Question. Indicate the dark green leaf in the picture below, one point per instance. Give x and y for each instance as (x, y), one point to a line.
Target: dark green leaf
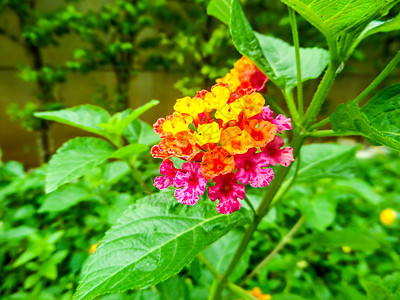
(348, 117)
(152, 241)
(383, 111)
(74, 159)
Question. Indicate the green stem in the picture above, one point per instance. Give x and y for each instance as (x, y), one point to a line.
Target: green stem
(260, 213)
(233, 287)
(209, 266)
(328, 133)
(287, 185)
(320, 123)
(295, 33)
(138, 177)
(247, 200)
(288, 95)
(385, 72)
(321, 93)
(286, 239)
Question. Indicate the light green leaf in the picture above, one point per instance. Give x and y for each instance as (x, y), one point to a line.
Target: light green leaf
(282, 59)
(319, 212)
(361, 188)
(221, 252)
(115, 171)
(139, 132)
(64, 198)
(336, 18)
(120, 121)
(74, 159)
(152, 241)
(274, 57)
(349, 117)
(339, 238)
(324, 160)
(221, 9)
(86, 117)
(130, 150)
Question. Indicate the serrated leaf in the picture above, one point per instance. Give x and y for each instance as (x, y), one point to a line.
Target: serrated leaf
(339, 238)
(383, 111)
(336, 18)
(74, 159)
(86, 117)
(349, 117)
(152, 241)
(64, 198)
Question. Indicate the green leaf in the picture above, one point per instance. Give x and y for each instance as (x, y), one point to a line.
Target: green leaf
(130, 150)
(319, 212)
(324, 160)
(383, 111)
(139, 132)
(221, 9)
(336, 18)
(115, 171)
(274, 57)
(221, 252)
(119, 122)
(339, 238)
(86, 117)
(282, 60)
(74, 159)
(377, 27)
(387, 288)
(173, 288)
(349, 117)
(152, 241)
(64, 198)
(361, 188)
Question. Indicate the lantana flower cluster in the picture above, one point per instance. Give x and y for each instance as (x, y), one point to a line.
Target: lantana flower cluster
(226, 136)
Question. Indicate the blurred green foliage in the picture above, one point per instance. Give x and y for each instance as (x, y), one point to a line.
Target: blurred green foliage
(340, 253)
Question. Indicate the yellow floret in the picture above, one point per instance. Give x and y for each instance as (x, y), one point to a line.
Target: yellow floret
(207, 133)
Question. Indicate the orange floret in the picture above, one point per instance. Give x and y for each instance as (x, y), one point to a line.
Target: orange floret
(261, 132)
(217, 162)
(235, 140)
(181, 145)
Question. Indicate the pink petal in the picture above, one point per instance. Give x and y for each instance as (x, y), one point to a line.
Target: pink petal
(282, 123)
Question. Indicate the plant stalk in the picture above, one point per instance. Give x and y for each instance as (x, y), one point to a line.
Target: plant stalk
(385, 72)
(286, 239)
(262, 210)
(295, 33)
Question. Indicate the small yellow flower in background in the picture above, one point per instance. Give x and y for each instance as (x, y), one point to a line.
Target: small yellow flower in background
(93, 248)
(346, 249)
(256, 292)
(302, 264)
(388, 216)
